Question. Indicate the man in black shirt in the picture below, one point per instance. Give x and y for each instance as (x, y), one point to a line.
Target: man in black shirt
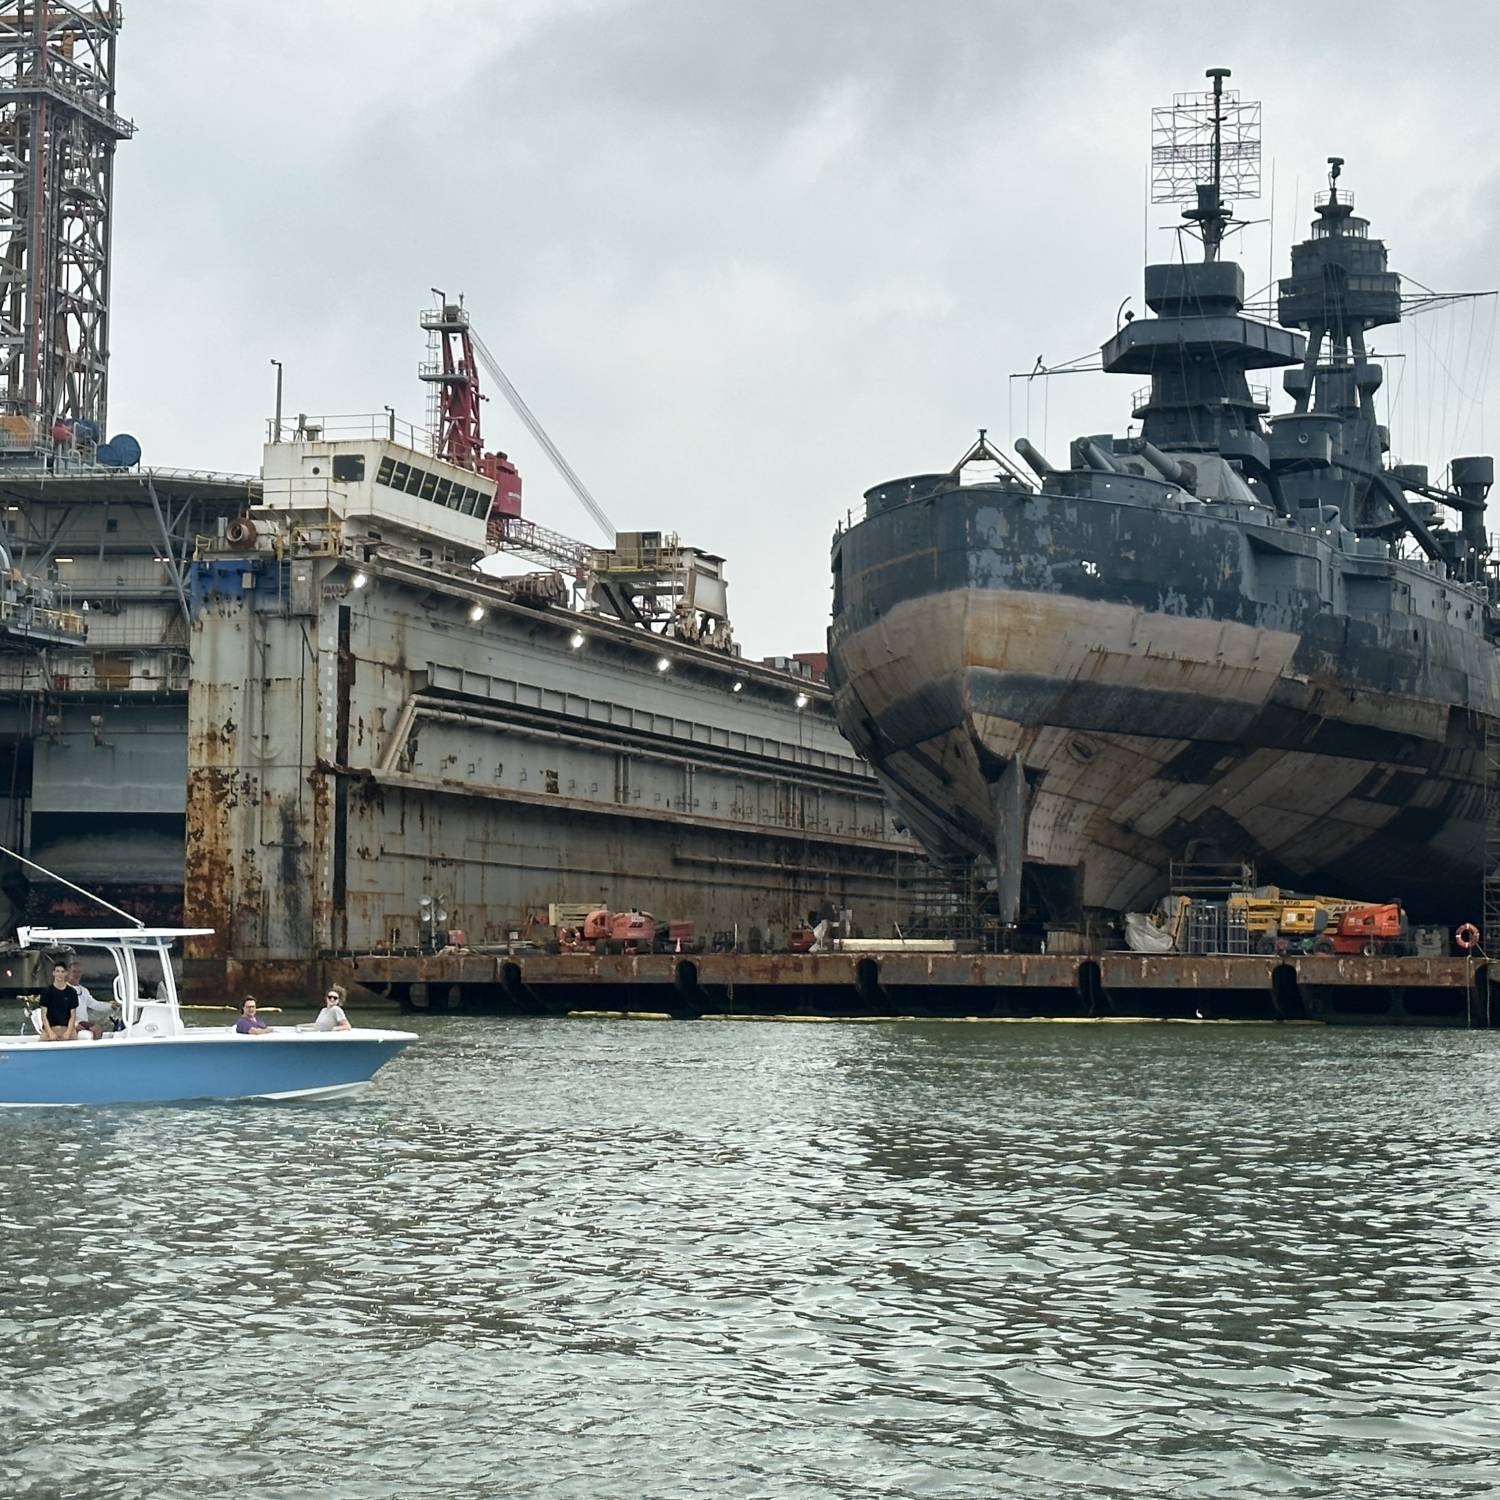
(60, 1008)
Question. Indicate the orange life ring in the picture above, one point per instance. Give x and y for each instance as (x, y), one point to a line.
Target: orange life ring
(1466, 936)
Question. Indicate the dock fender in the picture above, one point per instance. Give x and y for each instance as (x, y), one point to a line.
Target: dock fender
(1287, 1003)
(1482, 997)
(867, 982)
(685, 982)
(517, 991)
(1089, 982)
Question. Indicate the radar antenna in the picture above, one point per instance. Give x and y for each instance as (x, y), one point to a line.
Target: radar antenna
(1205, 146)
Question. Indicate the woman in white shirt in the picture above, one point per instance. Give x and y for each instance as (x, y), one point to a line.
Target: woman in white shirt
(332, 1017)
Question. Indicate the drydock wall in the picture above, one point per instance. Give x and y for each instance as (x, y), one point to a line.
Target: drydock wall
(354, 749)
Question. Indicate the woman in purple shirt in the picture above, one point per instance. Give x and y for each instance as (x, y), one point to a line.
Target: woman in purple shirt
(250, 1024)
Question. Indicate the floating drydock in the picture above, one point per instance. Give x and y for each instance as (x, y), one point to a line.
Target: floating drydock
(385, 745)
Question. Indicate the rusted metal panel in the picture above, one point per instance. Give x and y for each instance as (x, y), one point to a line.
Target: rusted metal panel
(441, 968)
(979, 970)
(1120, 971)
(1430, 973)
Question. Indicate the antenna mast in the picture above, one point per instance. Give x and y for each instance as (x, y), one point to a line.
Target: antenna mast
(1205, 146)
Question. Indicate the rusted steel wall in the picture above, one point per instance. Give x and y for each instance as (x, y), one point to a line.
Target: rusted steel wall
(352, 750)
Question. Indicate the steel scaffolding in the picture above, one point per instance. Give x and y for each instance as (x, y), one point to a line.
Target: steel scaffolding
(58, 131)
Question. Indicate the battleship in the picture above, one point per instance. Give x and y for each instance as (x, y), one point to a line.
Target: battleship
(1228, 635)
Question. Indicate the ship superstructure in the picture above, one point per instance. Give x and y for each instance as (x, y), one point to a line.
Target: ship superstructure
(1227, 635)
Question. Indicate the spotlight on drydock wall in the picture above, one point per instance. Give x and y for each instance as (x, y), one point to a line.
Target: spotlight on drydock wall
(801, 700)
(662, 664)
(360, 580)
(476, 614)
(576, 640)
(739, 685)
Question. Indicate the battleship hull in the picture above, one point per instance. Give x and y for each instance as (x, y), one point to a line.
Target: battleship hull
(1176, 682)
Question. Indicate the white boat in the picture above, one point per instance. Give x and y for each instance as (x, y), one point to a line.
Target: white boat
(156, 1059)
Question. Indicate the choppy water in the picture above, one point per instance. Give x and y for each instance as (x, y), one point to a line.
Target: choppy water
(573, 1259)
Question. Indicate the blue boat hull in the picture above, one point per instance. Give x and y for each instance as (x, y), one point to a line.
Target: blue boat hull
(168, 1070)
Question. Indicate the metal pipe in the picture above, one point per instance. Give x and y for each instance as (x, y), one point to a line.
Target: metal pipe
(1390, 487)
(276, 426)
(399, 735)
(1423, 538)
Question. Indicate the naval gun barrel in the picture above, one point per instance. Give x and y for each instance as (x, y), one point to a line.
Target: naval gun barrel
(1167, 466)
(1035, 459)
(1088, 454)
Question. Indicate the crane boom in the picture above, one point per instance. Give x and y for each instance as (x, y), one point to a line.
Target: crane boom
(535, 428)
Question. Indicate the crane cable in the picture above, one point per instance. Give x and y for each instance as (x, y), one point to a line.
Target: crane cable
(524, 412)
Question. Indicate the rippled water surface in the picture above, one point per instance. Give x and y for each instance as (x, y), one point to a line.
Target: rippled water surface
(584, 1259)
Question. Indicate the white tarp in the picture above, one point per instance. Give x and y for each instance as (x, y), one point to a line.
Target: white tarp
(1142, 935)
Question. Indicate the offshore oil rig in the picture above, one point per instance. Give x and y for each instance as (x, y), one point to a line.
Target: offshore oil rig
(299, 707)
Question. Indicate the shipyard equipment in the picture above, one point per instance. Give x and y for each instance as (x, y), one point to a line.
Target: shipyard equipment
(1368, 930)
(646, 578)
(1223, 631)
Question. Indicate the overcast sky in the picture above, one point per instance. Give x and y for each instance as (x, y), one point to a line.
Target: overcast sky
(746, 260)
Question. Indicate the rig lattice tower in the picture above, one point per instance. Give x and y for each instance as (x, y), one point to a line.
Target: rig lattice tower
(58, 132)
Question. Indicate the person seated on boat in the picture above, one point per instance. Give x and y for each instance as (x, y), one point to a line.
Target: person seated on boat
(332, 1017)
(59, 1007)
(250, 1024)
(92, 1014)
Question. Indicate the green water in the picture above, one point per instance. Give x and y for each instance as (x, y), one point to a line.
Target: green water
(595, 1260)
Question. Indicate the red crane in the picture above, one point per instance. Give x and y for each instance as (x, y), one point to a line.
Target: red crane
(454, 417)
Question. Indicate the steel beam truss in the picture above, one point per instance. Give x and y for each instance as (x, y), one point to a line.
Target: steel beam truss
(58, 131)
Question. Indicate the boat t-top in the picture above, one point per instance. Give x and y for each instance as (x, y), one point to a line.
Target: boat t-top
(155, 1058)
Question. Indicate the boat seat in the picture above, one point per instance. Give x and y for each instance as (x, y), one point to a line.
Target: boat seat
(155, 1018)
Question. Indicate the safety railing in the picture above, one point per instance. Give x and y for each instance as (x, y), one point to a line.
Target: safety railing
(349, 427)
(26, 615)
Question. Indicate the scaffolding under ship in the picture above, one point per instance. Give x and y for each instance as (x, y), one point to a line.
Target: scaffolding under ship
(1231, 636)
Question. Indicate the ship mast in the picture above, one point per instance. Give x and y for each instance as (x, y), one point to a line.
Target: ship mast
(1197, 347)
(1204, 145)
(1212, 214)
(1340, 287)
